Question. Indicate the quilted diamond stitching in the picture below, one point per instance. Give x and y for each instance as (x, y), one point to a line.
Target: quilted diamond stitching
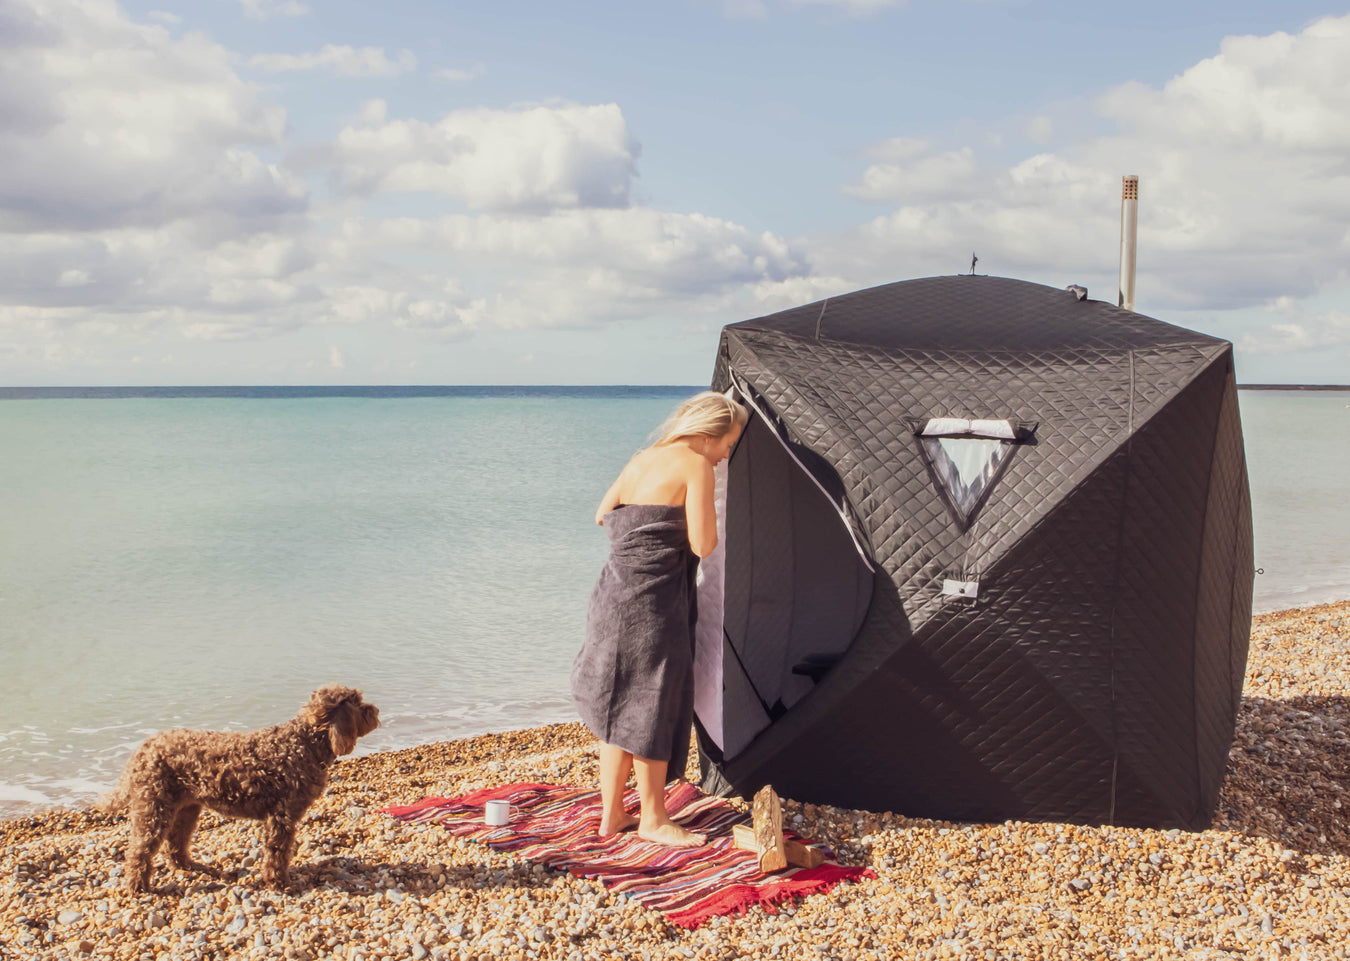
(1089, 381)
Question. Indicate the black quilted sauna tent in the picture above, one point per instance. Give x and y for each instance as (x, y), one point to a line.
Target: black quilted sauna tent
(987, 555)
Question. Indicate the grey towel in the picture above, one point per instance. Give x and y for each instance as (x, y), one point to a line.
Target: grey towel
(633, 680)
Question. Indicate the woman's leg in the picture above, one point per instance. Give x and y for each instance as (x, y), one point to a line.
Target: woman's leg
(615, 763)
(655, 824)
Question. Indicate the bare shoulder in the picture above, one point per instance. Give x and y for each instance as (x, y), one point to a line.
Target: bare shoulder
(661, 457)
(656, 475)
(688, 462)
(643, 463)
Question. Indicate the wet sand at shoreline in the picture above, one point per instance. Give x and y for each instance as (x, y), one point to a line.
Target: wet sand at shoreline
(1271, 878)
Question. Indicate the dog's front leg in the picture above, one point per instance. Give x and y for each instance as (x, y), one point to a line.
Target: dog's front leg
(279, 844)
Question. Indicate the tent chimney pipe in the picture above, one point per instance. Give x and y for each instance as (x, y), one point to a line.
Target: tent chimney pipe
(1129, 232)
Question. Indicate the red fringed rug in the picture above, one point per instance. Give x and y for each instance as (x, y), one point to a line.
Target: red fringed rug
(554, 825)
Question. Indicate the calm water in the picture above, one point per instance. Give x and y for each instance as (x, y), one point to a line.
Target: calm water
(206, 562)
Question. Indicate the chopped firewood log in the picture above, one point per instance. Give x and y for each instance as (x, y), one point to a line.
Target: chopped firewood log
(798, 855)
(768, 825)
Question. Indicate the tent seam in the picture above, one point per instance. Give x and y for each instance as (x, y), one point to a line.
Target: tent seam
(1195, 618)
(1244, 496)
(1232, 580)
(1115, 595)
(1206, 344)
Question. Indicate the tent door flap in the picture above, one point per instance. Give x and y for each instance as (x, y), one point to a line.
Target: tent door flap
(747, 398)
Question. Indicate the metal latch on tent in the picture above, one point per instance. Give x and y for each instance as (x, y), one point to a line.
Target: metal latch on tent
(954, 588)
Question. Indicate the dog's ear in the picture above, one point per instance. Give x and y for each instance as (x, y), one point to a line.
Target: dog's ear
(340, 709)
(342, 728)
(369, 719)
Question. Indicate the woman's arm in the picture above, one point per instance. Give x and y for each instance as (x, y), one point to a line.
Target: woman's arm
(608, 502)
(700, 510)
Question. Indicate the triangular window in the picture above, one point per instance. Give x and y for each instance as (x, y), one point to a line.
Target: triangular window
(966, 458)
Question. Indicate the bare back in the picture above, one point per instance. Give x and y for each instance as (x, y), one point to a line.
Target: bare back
(657, 475)
(673, 475)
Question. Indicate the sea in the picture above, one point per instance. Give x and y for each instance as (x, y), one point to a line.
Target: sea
(205, 557)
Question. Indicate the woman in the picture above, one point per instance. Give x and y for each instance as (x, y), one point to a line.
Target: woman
(633, 680)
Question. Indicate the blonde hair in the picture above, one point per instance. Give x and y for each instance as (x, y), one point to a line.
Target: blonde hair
(708, 414)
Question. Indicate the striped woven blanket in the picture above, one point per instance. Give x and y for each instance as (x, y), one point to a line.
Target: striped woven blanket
(554, 825)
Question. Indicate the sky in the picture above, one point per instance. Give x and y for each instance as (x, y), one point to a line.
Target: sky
(323, 192)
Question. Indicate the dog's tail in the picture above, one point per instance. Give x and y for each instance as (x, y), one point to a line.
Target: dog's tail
(119, 798)
(115, 801)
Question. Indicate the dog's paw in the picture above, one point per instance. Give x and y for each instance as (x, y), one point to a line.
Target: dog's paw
(276, 881)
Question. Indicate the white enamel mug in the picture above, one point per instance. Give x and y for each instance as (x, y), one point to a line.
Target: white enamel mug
(497, 813)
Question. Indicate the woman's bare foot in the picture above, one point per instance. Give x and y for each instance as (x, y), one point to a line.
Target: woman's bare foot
(672, 835)
(624, 822)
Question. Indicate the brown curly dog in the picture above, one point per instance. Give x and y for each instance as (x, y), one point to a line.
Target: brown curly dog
(272, 775)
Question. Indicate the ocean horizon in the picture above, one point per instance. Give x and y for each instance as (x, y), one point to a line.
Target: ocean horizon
(398, 391)
(378, 391)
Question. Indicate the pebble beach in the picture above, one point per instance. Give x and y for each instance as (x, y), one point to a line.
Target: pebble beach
(1270, 879)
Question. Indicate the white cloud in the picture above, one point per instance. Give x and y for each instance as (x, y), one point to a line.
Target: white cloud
(164, 16)
(150, 275)
(1244, 187)
(460, 74)
(419, 302)
(572, 268)
(745, 9)
(760, 9)
(649, 248)
(1289, 92)
(374, 112)
(105, 122)
(1296, 330)
(775, 295)
(439, 280)
(272, 9)
(917, 175)
(154, 222)
(1040, 129)
(335, 359)
(854, 7)
(898, 149)
(132, 202)
(73, 278)
(342, 60)
(536, 158)
(136, 206)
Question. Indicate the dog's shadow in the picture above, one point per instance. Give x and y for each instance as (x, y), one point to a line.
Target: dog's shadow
(352, 876)
(355, 878)
(358, 878)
